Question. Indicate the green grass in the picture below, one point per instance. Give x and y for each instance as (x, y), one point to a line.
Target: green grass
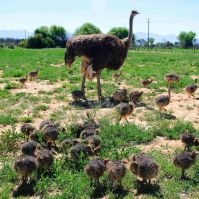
(118, 140)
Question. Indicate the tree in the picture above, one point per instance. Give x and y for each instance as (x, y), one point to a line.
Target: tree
(43, 30)
(120, 32)
(141, 42)
(36, 42)
(151, 42)
(49, 42)
(46, 37)
(186, 39)
(87, 29)
(58, 34)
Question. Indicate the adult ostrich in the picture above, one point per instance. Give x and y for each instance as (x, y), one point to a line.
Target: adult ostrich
(99, 51)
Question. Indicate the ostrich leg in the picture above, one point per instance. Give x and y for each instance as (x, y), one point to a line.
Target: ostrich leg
(99, 90)
(83, 83)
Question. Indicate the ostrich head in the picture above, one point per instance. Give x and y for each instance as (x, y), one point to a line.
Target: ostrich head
(134, 13)
(69, 58)
(127, 41)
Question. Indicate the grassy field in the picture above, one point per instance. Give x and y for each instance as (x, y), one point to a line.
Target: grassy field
(148, 130)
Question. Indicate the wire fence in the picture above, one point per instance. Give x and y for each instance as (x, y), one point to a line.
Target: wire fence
(169, 50)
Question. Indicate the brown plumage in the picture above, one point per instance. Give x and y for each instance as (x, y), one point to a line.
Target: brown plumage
(78, 95)
(80, 150)
(86, 133)
(184, 160)
(33, 74)
(116, 75)
(93, 140)
(27, 129)
(66, 144)
(90, 122)
(76, 129)
(189, 140)
(120, 95)
(104, 51)
(144, 167)
(171, 78)
(46, 123)
(29, 148)
(44, 157)
(51, 133)
(95, 169)
(146, 82)
(23, 81)
(24, 166)
(125, 110)
(190, 90)
(162, 101)
(135, 96)
(116, 170)
(34, 136)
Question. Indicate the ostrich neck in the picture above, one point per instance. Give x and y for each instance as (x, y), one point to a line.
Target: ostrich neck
(128, 41)
(130, 32)
(169, 95)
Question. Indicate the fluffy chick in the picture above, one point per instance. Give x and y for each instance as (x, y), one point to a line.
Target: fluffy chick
(144, 167)
(184, 160)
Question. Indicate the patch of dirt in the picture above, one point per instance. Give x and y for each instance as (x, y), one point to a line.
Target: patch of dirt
(57, 65)
(185, 108)
(194, 77)
(34, 87)
(162, 144)
(2, 85)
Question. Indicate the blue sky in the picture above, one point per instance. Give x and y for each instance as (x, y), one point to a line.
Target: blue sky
(166, 16)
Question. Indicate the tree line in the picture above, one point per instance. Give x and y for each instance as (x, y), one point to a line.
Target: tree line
(56, 36)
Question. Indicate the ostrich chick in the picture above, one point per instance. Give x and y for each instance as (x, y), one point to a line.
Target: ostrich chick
(116, 170)
(125, 110)
(93, 140)
(146, 82)
(23, 81)
(171, 78)
(66, 144)
(78, 95)
(163, 100)
(29, 148)
(95, 169)
(46, 123)
(189, 140)
(116, 76)
(190, 90)
(44, 157)
(24, 166)
(135, 96)
(81, 151)
(86, 133)
(76, 129)
(33, 74)
(184, 160)
(120, 95)
(27, 129)
(51, 133)
(144, 167)
(34, 136)
(90, 123)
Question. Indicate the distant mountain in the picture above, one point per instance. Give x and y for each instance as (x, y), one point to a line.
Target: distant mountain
(20, 34)
(16, 34)
(157, 37)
